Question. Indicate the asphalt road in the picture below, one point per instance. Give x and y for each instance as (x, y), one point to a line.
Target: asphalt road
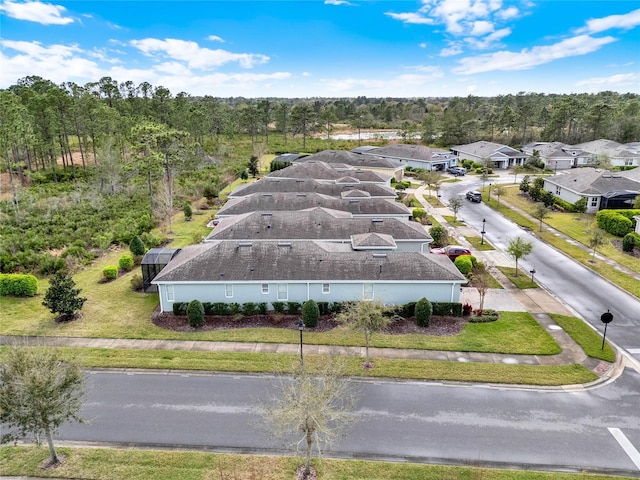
(402, 421)
(575, 285)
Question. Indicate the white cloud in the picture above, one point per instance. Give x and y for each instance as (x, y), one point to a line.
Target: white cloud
(195, 56)
(612, 81)
(508, 13)
(306, 74)
(415, 18)
(423, 45)
(44, 13)
(337, 2)
(626, 21)
(481, 27)
(489, 40)
(527, 58)
(451, 50)
(215, 38)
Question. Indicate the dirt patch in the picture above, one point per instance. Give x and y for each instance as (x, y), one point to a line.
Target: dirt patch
(618, 246)
(440, 325)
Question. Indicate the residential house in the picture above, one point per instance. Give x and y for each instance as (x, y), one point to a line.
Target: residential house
(601, 188)
(499, 156)
(557, 155)
(383, 166)
(310, 185)
(415, 156)
(270, 271)
(326, 225)
(619, 155)
(362, 206)
(337, 173)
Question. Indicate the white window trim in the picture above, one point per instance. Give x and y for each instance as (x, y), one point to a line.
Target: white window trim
(228, 287)
(264, 291)
(170, 293)
(286, 292)
(364, 292)
(327, 290)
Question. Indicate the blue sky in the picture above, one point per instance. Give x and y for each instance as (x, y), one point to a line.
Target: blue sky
(328, 48)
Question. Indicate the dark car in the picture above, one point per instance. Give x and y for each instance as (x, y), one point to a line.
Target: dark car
(457, 171)
(474, 196)
(452, 251)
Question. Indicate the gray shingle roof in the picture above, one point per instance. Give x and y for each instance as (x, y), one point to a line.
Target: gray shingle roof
(352, 158)
(316, 223)
(325, 171)
(302, 185)
(592, 181)
(362, 241)
(407, 151)
(279, 201)
(300, 261)
(486, 149)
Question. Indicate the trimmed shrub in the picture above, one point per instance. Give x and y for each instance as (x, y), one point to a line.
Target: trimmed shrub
(614, 223)
(409, 309)
(337, 307)
(485, 316)
(310, 313)
(125, 262)
(447, 308)
(110, 272)
(235, 308)
(423, 312)
(136, 247)
(180, 308)
(249, 308)
(418, 214)
(324, 308)
(629, 242)
(137, 283)
(220, 308)
(195, 313)
(262, 308)
(188, 212)
(293, 308)
(464, 264)
(278, 307)
(18, 284)
(208, 308)
(440, 235)
(467, 309)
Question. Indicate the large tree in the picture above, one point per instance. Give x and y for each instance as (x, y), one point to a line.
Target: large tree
(367, 317)
(315, 407)
(38, 393)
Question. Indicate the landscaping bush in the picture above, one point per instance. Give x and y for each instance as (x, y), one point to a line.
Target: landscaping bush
(323, 307)
(337, 307)
(464, 264)
(467, 309)
(440, 235)
(125, 262)
(418, 214)
(447, 309)
(150, 240)
(110, 272)
(628, 242)
(136, 283)
(310, 313)
(188, 212)
(195, 313)
(220, 308)
(136, 247)
(262, 308)
(485, 316)
(18, 284)
(293, 308)
(613, 222)
(278, 307)
(423, 312)
(409, 309)
(249, 308)
(180, 308)
(235, 308)
(208, 308)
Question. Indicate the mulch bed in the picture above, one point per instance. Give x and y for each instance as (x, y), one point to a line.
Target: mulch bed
(440, 325)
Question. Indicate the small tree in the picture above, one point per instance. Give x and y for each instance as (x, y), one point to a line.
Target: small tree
(310, 313)
(440, 235)
(540, 213)
(38, 393)
(315, 407)
(498, 191)
(195, 313)
(365, 317)
(516, 170)
(423, 311)
(597, 240)
(136, 247)
(525, 184)
(62, 297)
(253, 165)
(455, 204)
(188, 212)
(480, 282)
(244, 175)
(519, 249)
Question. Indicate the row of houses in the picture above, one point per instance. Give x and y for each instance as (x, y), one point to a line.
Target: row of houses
(320, 229)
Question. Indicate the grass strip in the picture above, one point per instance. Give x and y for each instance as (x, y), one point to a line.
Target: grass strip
(453, 221)
(477, 245)
(586, 337)
(522, 281)
(116, 464)
(409, 369)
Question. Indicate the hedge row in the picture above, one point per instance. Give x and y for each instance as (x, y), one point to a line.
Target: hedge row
(18, 284)
(615, 222)
(295, 308)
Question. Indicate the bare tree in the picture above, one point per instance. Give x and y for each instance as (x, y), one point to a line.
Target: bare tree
(480, 281)
(455, 204)
(367, 317)
(540, 213)
(38, 393)
(315, 407)
(597, 240)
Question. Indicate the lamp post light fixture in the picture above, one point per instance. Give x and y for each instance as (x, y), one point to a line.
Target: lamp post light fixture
(489, 196)
(605, 318)
(484, 220)
(301, 328)
(532, 272)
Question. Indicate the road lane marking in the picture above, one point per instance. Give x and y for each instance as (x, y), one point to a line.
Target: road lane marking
(634, 351)
(626, 445)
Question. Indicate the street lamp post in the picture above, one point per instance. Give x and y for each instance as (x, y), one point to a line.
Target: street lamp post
(483, 232)
(301, 328)
(605, 318)
(489, 196)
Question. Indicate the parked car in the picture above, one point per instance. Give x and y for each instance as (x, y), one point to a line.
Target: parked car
(474, 196)
(457, 171)
(452, 251)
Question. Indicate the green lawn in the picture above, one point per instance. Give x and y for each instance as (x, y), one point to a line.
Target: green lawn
(129, 464)
(586, 337)
(453, 221)
(522, 281)
(475, 242)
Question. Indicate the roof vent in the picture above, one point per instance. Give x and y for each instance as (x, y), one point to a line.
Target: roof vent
(299, 180)
(379, 255)
(354, 201)
(245, 244)
(377, 220)
(267, 194)
(266, 214)
(301, 194)
(284, 244)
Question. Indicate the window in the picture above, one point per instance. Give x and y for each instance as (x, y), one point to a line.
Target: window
(265, 288)
(283, 291)
(557, 190)
(367, 291)
(594, 201)
(228, 290)
(170, 294)
(326, 288)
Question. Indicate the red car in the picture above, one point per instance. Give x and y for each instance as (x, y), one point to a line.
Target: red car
(452, 251)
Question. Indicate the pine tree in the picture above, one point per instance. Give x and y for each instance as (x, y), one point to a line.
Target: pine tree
(62, 297)
(136, 246)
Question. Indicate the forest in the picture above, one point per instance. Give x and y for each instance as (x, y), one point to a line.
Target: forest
(88, 166)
